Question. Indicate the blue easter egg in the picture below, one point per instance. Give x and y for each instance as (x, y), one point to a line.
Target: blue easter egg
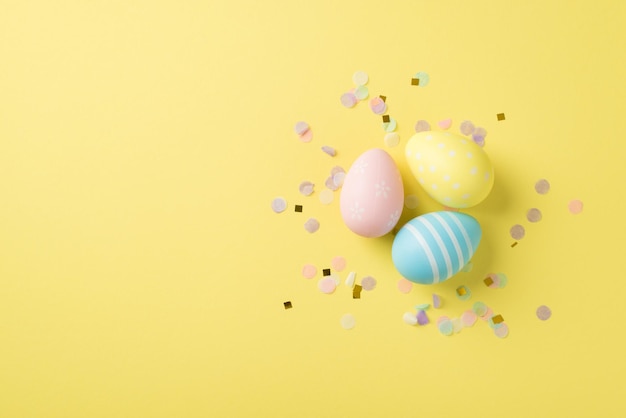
(433, 247)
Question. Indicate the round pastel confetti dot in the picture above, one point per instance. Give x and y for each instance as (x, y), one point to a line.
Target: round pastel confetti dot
(469, 318)
(327, 285)
(338, 263)
(330, 183)
(575, 206)
(329, 150)
(338, 179)
(487, 315)
(517, 232)
(422, 318)
(467, 127)
(360, 78)
(502, 280)
(390, 126)
(307, 136)
(309, 271)
(445, 124)
(467, 267)
(542, 186)
(501, 331)
(311, 225)
(368, 283)
(446, 327)
(442, 319)
(423, 78)
(348, 100)
(392, 139)
(422, 126)
(361, 92)
(301, 127)
(457, 325)
(544, 313)
(436, 301)
(348, 321)
(533, 215)
(405, 285)
(335, 278)
(479, 308)
(463, 293)
(327, 196)
(411, 201)
(494, 283)
(337, 169)
(422, 306)
(378, 105)
(409, 318)
(480, 132)
(478, 140)
(306, 188)
(279, 205)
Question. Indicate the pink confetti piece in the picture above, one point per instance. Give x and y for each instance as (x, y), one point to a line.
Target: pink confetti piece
(405, 285)
(575, 206)
(445, 124)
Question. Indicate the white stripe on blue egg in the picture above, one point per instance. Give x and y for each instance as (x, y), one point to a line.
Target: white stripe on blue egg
(433, 247)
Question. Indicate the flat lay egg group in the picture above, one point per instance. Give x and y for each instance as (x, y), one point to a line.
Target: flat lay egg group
(454, 170)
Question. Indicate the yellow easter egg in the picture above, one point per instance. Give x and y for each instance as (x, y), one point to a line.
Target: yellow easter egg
(452, 169)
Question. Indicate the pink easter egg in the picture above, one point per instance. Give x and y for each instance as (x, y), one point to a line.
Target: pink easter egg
(372, 195)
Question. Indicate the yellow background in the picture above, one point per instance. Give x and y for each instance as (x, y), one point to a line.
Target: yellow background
(143, 273)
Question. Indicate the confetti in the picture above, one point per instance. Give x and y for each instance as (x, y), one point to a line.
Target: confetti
(409, 318)
(411, 201)
(327, 285)
(356, 291)
(575, 206)
(297, 208)
(312, 225)
(348, 100)
(336, 169)
(306, 188)
(478, 140)
(386, 118)
(405, 285)
(422, 126)
(301, 127)
(309, 271)
(336, 279)
(467, 127)
(533, 215)
(392, 139)
(338, 263)
(422, 306)
(368, 283)
(542, 186)
(422, 318)
(500, 116)
(457, 324)
(517, 232)
(383, 97)
(348, 321)
(350, 279)
(467, 267)
(463, 292)
(479, 308)
(544, 313)
(361, 92)
(502, 280)
(329, 150)
(423, 78)
(441, 319)
(415, 81)
(307, 136)
(287, 305)
(514, 244)
(478, 131)
(360, 78)
(390, 126)
(330, 183)
(378, 105)
(469, 318)
(326, 272)
(338, 179)
(487, 314)
(327, 196)
(436, 301)
(497, 319)
(446, 327)
(492, 280)
(445, 124)
(279, 205)
(501, 332)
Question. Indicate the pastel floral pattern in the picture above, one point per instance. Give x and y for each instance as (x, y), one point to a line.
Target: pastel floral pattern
(393, 218)
(382, 189)
(357, 211)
